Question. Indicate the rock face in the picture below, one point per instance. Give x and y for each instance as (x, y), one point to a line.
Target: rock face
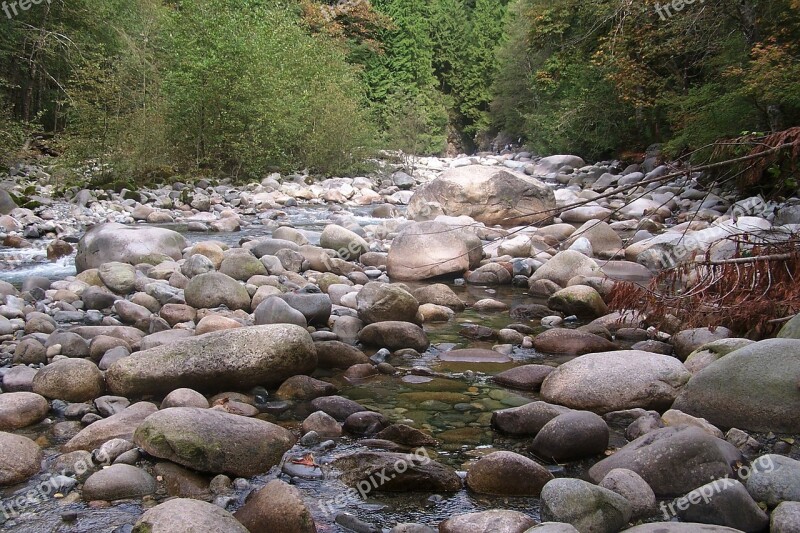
(507, 473)
(673, 461)
(429, 249)
(109, 242)
(613, 381)
(184, 515)
(20, 458)
(213, 441)
(236, 359)
(214, 289)
(406, 472)
(489, 195)
(753, 388)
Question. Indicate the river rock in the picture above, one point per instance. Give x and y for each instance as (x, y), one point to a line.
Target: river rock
(564, 266)
(430, 249)
(708, 353)
(570, 436)
(110, 241)
(275, 310)
(336, 354)
(493, 521)
(603, 238)
(633, 488)
(315, 306)
(379, 302)
(72, 380)
(580, 300)
(774, 479)
(322, 424)
(242, 266)
(723, 502)
(20, 458)
(613, 381)
(674, 527)
(21, 409)
(394, 335)
(673, 461)
(235, 358)
(304, 388)
(201, 439)
(118, 277)
(753, 388)
(439, 294)
(276, 503)
(687, 341)
(525, 377)
(406, 435)
(507, 473)
(587, 507)
(785, 518)
(119, 426)
(337, 406)
(184, 398)
(489, 195)
(348, 245)
(571, 342)
(526, 419)
(184, 515)
(406, 472)
(214, 289)
(118, 482)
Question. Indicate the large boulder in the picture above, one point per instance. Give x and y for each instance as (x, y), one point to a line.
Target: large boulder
(21, 409)
(753, 388)
(184, 515)
(214, 289)
(673, 461)
(73, 380)
(587, 507)
(378, 302)
(110, 241)
(230, 359)
(118, 482)
(507, 473)
(430, 249)
(213, 441)
(347, 244)
(395, 335)
(613, 381)
(278, 506)
(487, 194)
(20, 458)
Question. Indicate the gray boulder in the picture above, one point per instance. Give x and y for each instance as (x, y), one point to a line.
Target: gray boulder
(20, 458)
(214, 289)
(275, 310)
(406, 472)
(430, 249)
(378, 302)
(118, 482)
(110, 241)
(723, 502)
(184, 515)
(507, 473)
(493, 521)
(587, 507)
(774, 479)
(570, 436)
(230, 359)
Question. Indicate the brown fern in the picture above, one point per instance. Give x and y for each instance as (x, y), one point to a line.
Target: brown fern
(779, 150)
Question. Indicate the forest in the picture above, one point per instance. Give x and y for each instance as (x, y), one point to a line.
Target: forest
(240, 88)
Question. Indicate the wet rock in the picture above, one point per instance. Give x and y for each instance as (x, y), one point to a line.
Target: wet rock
(304, 388)
(570, 436)
(72, 380)
(411, 528)
(430, 249)
(774, 479)
(200, 439)
(20, 458)
(673, 461)
(611, 381)
(753, 388)
(215, 289)
(338, 407)
(119, 426)
(489, 274)
(578, 300)
(429, 313)
(526, 377)
(587, 507)
(494, 521)
(365, 423)
(360, 372)
(474, 355)
(183, 515)
(406, 472)
(118, 482)
(323, 425)
(182, 482)
(406, 435)
(275, 310)
(394, 336)
(336, 354)
(633, 488)
(571, 342)
(507, 473)
(109, 242)
(21, 409)
(687, 341)
(527, 419)
(723, 502)
(276, 503)
(439, 294)
(489, 195)
(240, 358)
(380, 302)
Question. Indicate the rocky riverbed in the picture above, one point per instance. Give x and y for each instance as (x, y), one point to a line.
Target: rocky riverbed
(406, 352)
